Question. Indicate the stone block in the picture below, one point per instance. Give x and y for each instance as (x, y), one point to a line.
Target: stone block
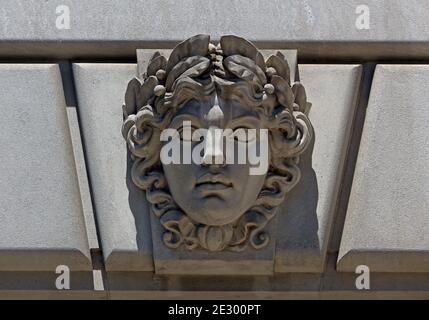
(121, 209)
(41, 219)
(387, 222)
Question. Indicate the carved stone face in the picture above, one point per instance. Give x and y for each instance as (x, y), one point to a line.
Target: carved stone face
(216, 204)
(209, 193)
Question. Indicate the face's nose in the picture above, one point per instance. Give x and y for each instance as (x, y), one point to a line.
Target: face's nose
(213, 147)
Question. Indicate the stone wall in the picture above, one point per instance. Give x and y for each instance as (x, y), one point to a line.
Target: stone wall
(363, 198)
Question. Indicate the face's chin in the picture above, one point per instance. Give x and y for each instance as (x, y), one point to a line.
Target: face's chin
(217, 207)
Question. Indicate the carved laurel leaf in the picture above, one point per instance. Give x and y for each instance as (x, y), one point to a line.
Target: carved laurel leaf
(195, 46)
(189, 67)
(283, 92)
(131, 94)
(156, 63)
(233, 45)
(301, 98)
(245, 68)
(146, 91)
(281, 66)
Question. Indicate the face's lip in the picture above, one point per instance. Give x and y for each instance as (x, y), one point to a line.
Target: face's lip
(213, 184)
(216, 181)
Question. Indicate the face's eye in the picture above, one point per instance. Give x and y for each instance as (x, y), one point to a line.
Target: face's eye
(244, 134)
(186, 132)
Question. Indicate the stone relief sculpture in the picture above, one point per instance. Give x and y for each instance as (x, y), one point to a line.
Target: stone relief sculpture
(216, 206)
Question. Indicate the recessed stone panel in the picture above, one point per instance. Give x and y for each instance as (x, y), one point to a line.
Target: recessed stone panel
(387, 222)
(41, 219)
(121, 209)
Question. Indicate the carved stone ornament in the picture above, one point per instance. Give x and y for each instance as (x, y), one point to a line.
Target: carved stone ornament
(228, 85)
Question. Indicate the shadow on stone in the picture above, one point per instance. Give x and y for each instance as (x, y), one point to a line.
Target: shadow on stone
(140, 208)
(297, 227)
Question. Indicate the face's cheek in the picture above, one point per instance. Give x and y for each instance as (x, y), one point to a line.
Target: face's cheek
(247, 187)
(180, 178)
(248, 182)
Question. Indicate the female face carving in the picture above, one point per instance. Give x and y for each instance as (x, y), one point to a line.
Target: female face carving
(214, 192)
(216, 204)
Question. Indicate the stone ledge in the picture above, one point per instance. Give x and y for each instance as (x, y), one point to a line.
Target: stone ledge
(317, 28)
(382, 260)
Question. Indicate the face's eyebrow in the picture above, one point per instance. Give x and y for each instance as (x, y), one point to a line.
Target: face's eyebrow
(178, 120)
(251, 121)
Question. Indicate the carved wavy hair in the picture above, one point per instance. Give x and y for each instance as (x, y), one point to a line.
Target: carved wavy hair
(235, 70)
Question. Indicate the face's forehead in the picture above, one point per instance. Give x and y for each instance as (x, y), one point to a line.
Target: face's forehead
(216, 111)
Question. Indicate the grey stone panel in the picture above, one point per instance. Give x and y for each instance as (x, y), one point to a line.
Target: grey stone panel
(387, 222)
(305, 219)
(275, 20)
(41, 219)
(121, 209)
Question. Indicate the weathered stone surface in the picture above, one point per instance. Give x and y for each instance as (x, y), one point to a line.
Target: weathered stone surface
(387, 222)
(304, 221)
(41, 219)
(316, 27)
(124, 228)
(173, 21)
